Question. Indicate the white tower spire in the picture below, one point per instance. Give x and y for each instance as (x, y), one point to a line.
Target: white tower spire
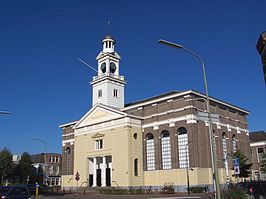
(108, 85)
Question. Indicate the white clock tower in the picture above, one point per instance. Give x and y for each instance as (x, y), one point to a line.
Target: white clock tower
(108, 85)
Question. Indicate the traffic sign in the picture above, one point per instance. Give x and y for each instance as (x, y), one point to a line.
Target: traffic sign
(77, 176)
(237, 162)
(236, 170)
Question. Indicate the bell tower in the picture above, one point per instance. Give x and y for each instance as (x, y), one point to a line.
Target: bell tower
(108, 85)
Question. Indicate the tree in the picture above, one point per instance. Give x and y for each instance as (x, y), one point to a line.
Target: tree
(6, 165)
(263, 163)
(25, 169)
(244, 167)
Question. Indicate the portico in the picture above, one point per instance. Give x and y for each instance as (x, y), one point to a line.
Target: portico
(100, 171)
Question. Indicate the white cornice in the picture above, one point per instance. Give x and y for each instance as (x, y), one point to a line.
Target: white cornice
(190, 118)
(67, 141)
(259, 143)
(68, 124)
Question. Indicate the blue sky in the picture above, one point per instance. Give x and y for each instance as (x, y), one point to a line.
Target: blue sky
(43, 85)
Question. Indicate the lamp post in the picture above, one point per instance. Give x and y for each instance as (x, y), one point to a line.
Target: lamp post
(45, 153)
(213, 154)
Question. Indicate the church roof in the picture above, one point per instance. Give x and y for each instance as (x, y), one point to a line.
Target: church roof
(177, 93)
(108, 36)
(152, 98)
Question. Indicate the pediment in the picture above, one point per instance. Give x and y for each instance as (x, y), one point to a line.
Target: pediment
(97, 135)
(97, 115)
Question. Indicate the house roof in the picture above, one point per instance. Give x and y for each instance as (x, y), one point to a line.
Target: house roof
(257, 136)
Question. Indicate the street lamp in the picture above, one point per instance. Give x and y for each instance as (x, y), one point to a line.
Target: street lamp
(213, 154)
(45, 153)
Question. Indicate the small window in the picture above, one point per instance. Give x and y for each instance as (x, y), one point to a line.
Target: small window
(99, 144)
(135, 136)
(51, 159)
(100, 93)
(116, 93)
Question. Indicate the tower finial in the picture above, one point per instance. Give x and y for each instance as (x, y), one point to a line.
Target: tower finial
(108, 27)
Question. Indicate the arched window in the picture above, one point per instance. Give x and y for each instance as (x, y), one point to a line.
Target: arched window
(150, 153)
(182, 139)
(234, 143)
(136, 165)
(166, 150)
(224, 145)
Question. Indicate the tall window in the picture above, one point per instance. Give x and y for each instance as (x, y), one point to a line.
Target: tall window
(234, 143)
(183, 152)
(166, 150)
(68, 166)
(116, 93)
(224, 146)
(51, 170)
(260, 154)
(136, 165)
(100, 93)
(150, 152)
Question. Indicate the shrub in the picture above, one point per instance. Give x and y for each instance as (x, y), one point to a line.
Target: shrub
(197, 189)
(233, 194)
(121, 191)
(168, 188)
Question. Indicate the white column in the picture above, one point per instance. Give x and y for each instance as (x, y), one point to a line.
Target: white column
(111, 172)
(103, 172)
(94, 184)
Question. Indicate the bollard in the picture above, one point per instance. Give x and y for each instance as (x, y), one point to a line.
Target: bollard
(84, 191)
(36, 192)
(70, 191)
(64, 191)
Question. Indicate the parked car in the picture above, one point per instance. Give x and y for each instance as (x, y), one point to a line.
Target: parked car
(15, 192)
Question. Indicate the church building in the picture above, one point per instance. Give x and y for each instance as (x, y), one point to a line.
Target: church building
(150, 142)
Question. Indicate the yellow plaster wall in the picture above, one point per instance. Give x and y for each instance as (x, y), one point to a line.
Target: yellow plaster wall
(177, 176)
(68, 181)
(136, 152)
(117, 142)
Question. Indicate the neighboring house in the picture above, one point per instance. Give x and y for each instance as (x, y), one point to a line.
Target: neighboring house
(53, 162)
(152, 141)
(258, 147)
(16, 159)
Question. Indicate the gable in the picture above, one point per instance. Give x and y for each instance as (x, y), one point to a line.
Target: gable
(97, 115)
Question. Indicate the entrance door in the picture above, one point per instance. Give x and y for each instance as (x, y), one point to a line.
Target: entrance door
(108, 177)
(90, 180)
(99, 178)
